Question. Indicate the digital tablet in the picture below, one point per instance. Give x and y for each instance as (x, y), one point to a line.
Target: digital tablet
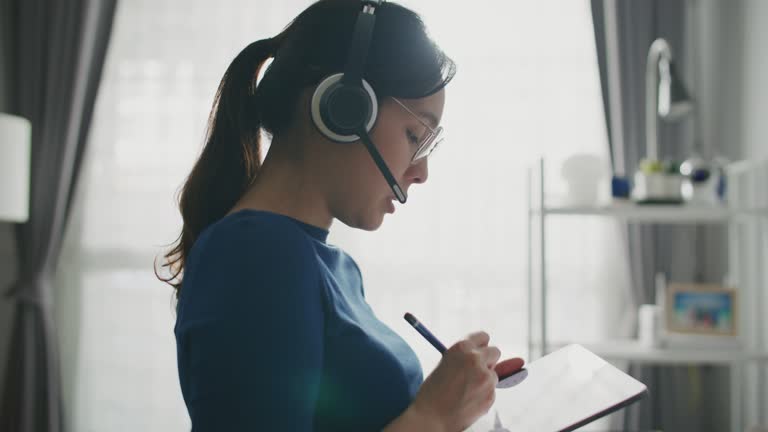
(561, 391)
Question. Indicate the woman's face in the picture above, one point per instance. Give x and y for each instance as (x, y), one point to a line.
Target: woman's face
(360, 196)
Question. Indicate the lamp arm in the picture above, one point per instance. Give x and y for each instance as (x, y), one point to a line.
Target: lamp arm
(659, 49)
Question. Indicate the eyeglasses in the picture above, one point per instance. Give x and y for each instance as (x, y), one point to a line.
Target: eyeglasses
(429, 142)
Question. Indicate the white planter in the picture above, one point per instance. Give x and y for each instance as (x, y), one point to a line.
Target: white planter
(657, 187)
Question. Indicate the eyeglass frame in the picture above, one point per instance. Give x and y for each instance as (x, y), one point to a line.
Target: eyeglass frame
(434, 135)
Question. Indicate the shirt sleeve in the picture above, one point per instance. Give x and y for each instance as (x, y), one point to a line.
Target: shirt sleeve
(253, 344)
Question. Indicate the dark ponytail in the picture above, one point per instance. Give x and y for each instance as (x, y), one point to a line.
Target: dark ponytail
(231, 156)
(402, 62)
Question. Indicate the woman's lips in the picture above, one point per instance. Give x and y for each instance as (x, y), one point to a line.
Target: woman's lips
(390, 205)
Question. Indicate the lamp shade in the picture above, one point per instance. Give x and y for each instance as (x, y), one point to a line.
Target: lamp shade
(674, 100)
(15, 151)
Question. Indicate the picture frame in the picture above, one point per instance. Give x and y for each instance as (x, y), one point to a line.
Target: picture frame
(701, 309)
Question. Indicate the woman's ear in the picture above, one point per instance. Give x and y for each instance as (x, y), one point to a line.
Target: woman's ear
(301, 122)
(304, 114)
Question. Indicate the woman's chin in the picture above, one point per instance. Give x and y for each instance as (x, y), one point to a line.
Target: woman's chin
(373, 223)
(367, 222)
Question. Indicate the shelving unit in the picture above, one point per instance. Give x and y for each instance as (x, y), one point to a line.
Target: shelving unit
(655, 213)
(742, 211)
(633, 351)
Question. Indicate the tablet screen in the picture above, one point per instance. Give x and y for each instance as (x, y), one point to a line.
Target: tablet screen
(561, 391)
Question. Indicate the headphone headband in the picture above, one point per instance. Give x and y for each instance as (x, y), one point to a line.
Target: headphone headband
(361, 41)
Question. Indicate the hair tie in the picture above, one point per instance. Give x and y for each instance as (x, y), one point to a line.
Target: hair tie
(274, 45)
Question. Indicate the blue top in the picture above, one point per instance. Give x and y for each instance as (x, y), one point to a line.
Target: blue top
(273, 333)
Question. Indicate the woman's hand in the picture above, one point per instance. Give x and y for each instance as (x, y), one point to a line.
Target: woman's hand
(462, 387)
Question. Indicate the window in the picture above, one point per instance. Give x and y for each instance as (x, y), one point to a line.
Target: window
(455, 255)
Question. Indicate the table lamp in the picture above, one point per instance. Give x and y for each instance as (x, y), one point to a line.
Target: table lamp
(15, 154)
(665, 98)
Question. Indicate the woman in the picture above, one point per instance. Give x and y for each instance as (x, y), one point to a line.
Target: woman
(273, 331)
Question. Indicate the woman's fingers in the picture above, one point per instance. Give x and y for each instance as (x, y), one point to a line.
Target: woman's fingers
(491, 355)
(479, 339)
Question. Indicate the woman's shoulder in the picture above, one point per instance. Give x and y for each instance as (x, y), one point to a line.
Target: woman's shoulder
(254, 229)
(252, 240)
(241, 252)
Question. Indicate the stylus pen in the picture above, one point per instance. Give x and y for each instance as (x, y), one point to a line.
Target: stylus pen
(424, 332)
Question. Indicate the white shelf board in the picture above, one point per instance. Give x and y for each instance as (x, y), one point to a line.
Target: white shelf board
(655, 212)
(631, 350)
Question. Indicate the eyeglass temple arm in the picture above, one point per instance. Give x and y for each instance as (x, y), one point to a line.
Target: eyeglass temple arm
(379, 161)
(430, 128)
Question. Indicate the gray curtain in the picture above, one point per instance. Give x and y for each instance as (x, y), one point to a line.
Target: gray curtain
(57, 54)
(685, 398)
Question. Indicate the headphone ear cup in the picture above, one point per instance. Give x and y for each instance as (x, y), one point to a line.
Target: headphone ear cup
(338, 110)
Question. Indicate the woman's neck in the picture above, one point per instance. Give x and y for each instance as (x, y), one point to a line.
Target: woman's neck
(285, 186)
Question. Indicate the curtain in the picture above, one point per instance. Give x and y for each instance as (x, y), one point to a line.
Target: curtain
(681, 398)
(57, 55)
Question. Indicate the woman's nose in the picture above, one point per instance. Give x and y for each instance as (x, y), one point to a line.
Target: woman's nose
(418, 172)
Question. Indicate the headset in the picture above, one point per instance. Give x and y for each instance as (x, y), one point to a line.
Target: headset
(344, 105)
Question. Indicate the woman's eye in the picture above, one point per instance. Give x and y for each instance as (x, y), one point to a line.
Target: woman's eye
(413, 139)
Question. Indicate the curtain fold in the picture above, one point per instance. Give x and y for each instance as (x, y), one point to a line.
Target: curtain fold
(681, 398)
(57, 53)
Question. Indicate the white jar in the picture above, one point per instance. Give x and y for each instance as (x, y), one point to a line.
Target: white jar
(649, 325)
